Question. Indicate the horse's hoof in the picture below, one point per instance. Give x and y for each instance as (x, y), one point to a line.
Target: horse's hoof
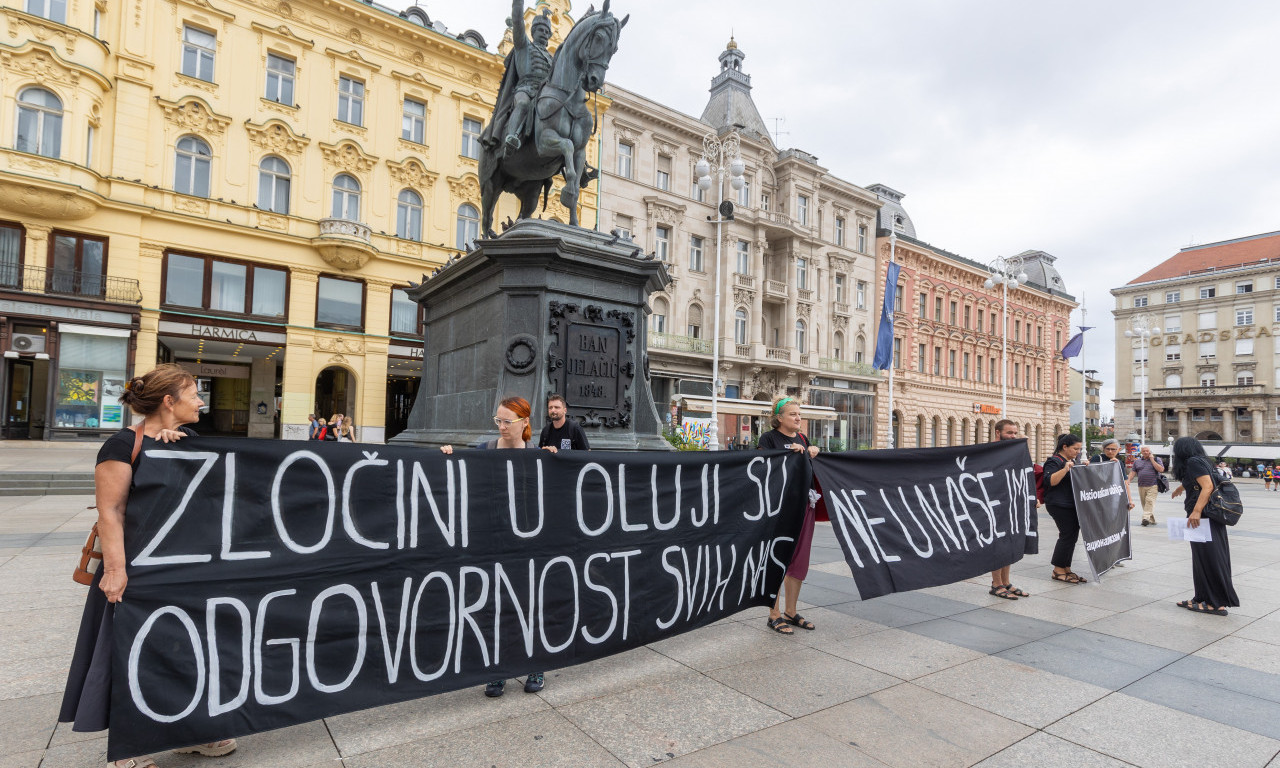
(567, 199)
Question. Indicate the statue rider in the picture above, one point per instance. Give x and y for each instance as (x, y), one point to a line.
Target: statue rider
(531, 64)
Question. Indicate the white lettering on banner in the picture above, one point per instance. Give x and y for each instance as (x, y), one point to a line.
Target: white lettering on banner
(1112, 490)
(135, 654)
(145, 557)
(313, 627)
(1089, 546)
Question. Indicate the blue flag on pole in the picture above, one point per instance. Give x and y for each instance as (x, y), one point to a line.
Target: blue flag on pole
(884, 337)
(1076, 343)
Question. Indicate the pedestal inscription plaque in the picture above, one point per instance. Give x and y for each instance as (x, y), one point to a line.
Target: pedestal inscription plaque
(592, 362)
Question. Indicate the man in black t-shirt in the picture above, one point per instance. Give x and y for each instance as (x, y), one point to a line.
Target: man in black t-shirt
(561, 433)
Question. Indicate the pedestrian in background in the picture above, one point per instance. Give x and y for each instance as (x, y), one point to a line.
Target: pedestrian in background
(1060, 500)
(1146, 467)
(313, 427)
(1210, 560)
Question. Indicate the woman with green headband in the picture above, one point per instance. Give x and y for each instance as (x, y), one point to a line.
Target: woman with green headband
(786, 436)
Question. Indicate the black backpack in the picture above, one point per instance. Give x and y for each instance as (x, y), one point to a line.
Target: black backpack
(1224, 502)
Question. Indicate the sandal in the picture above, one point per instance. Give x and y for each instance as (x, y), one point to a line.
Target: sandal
(1204, 608)
(1069, 577)
(779, 625)
(212, 749)
(1003, 592)
(1185, 604)
(1015, 591)
(798, 621)
(136, 762)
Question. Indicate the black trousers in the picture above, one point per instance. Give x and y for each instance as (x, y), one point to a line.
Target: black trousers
(1068, 535)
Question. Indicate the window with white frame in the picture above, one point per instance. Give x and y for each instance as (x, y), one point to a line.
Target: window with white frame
(468, 226)
(39, 129)
(694, 329)
(1206, 349)
(840, 290)
(1140, 354)
(744, 195)
(350, 100)
(921, 359)
(1244, 378)
(1244, 286)
(409, 215)
(53, 10)
(624, 225)
(191, 167)
(1208, 291)
(1173, 323)
(471, 138)
(802, 210)
(800, 337)
(1206, 320)
(1173, 380)
(695, 253)
(662, 243)
(862, 238)
(658, 320)
(662, 176)
(626, 153)
(1244, 347)
(274, 179)
(1244, 315)
(837, 346)
(743, 258)
(839, 230)
(1208, 380)
(802, 274)
(965, 369)
(860, 295)
(1276, 309)
(1139, 383)
(764, 201)
(740, 326)
(413, 121)
(346, 198)
(951, 363)
(1172, 297)
(697, 192)
(1277, 286)
(281, 71)
(1139, 301)
(198, 47)
(1172, 352)
(859, 349)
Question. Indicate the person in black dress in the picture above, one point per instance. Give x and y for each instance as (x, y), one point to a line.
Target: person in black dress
(166, 399)
(1060, 500)
(1210, 560)
(786, 436)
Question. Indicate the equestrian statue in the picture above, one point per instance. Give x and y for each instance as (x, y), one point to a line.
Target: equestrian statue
(541, 122)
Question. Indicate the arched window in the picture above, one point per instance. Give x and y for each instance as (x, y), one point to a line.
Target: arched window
(658, 320)
(1173, 380)
(468, 226)
(39, 123)
(837, 346)
(695, 321)
(273, 185)
(346, 197)
(191, 167)
(740, 326)
(409, 215)
(800, 341)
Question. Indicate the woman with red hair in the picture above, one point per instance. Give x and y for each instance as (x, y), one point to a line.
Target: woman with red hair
(514, 431)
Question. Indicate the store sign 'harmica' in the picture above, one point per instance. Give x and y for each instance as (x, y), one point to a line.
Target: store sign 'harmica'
(591, 363)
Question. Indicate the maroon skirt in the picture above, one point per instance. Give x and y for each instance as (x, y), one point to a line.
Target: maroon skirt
(799, 567)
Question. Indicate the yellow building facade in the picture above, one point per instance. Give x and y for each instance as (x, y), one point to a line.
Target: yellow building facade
(240, 187)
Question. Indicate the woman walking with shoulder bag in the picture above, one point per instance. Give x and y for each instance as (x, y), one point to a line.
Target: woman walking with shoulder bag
(1210, 560)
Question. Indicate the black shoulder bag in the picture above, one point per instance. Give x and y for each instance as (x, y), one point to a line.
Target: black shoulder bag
(1224, 502)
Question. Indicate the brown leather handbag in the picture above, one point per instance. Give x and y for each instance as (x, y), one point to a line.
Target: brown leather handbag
(91, 552)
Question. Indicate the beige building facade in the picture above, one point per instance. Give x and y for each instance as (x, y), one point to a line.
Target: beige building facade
(240, 187)
(1211, 370)
(949, 375)
(796, 265)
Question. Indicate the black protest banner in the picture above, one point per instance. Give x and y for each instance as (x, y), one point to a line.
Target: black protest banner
(276, 583)
(914, 518)
(1102, 507)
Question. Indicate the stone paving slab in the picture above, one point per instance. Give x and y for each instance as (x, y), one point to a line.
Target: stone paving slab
(803, 681)
(1147, 734)
(1041, 749)
(1092, 657)
(902, 654)
(782, 746)
(1015, 691)
(1210, 702)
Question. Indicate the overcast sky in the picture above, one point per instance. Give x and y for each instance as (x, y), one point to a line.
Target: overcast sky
(1109, 134)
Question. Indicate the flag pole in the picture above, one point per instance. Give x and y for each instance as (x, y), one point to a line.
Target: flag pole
(1084, 386)
(893, 245)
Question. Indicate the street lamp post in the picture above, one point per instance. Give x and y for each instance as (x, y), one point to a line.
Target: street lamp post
(1140, 328)
(720, 158)
(1002, 274)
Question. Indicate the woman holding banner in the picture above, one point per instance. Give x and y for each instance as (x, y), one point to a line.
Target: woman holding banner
(514, 432)
(1210, 560)
(786, 436)
(1060, 499)
(166, 399)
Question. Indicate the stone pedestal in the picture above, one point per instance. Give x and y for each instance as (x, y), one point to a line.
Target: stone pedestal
(543, 308)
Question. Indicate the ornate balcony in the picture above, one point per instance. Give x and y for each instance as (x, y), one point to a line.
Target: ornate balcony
(845, 366)
(1226, 390)
(344, 244)
(674, 343)
(775, 289)
(32, 278)
(778, 353)
(744, 281)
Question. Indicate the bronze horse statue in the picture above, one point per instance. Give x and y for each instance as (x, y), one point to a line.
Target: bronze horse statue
(562, 124)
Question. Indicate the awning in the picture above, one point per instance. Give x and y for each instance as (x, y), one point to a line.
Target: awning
(1263, 452)
(738, 407)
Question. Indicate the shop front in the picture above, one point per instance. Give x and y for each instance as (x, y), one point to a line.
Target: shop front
(237, 367)
(404, 374)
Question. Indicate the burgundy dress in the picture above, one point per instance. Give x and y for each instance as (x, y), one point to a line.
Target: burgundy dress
(799, 567)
